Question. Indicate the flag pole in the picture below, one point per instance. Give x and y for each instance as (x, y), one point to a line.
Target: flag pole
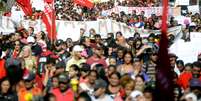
(52, 22)
(164, 75)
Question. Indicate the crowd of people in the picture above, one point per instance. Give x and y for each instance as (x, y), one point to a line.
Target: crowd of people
(90, 69)
(35, 68)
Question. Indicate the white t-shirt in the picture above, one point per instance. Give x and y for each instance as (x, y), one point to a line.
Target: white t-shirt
(105, 98)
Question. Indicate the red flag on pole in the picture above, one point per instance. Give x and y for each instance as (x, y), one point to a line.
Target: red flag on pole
(86, 3)
(49, 19)
(26, 6)
(164, 76)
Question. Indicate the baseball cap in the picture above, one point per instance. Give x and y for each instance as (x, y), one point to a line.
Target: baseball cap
(171, 55)
(85, 67)
(59, 42)
(30, 39)
(60, 64)
(77, 48)
(29, 76)
(99, 84)
(135, 94)
(63, 78)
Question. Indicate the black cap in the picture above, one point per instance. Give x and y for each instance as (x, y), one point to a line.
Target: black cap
(29, 76)
(63, 78)
(100, 84)
(171, 55)
(60, 64)
(85, 67)
(59, 42)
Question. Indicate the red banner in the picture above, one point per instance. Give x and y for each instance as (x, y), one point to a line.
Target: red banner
(86, 3)
(49, 19)
(26, 6)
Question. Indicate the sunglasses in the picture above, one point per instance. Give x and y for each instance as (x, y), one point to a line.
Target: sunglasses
(63, 82)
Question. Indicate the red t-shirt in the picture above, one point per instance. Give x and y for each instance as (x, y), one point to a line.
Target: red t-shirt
(2, 68)
(184, 79)
(67, 96)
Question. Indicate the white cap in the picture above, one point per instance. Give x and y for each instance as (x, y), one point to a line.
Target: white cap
(77, 48)
(135, 94)
(30, 39)
(191, 96)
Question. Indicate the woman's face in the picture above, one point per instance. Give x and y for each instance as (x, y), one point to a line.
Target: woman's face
(17, 45)
(139, 84)
(180, 67)
(92, 32)
(111, 70)
(114, 80)
(138, 44)
(127, 58)
(38, 35)
(118, 36)
(5, 85)
(17, 36)
(137, 65)
(72, 72)
(92, 77)
(139, 81)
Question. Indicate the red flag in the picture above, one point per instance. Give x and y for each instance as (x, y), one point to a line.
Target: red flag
(49, 19)
(164, 76)
(26, 6)
(86, 3)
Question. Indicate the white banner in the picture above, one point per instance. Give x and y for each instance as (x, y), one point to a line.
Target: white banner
(194, 9)
(173, 11)
(7, 25)
(71, 29)
(187, 51)
(182, 2)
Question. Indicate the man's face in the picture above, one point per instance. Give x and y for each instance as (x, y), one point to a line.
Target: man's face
(98, 52)
(98, 40)
(87, 42)
(196, 72)
(30, 31)
(78, 54)
(63, 86)
(28, 84)
(154, 57)
(120, 54)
